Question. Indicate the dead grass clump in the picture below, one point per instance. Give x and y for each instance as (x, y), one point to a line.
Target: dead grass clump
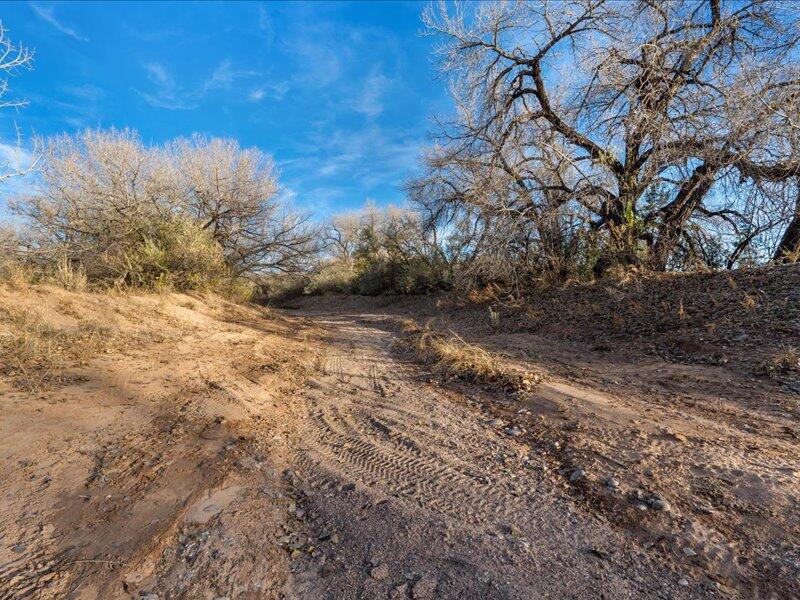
(15, 274)
(785, 361)
(34, 352)
(70, 277)
(455, 357)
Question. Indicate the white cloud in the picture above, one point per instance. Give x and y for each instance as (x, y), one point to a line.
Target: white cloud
(275, 91)
(265, 23)
(47, 14)
(369, 98)
(88, 92)
(14, 157)
(169, 94)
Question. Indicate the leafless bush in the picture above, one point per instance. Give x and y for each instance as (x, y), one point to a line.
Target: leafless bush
(185, 215)
(376, 251)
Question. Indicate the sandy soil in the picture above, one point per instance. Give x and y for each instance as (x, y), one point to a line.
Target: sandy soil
(214, 451)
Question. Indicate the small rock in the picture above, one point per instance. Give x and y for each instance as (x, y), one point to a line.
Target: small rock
(611, 483)
(380, 573)
(689, 552)
(296, 554)
(399, 591)
(494, 422)
(324, 535)
(662, 505)
(683, 581)
(348, 487)
(577, 475)
(514, 431)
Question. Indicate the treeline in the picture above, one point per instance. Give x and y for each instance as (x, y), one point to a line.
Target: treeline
(588, 136)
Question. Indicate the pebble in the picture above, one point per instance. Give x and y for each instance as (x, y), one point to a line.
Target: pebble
(577, 475)
(683, 581)
(611, 483)
(379, 573)
(514, 431)
(660, 505)
(689, 552)
(494, 422)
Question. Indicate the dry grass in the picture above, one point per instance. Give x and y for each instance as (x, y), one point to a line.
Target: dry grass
(454, 357)
(15, 274)
(34, 351)
(785, 361)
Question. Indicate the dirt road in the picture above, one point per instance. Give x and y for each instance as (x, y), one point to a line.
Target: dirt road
(433, 499)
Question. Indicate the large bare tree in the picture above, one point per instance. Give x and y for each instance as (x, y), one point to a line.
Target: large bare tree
(646, 121)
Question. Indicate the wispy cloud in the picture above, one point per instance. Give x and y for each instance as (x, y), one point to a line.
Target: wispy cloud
(273, 91)
(14, 157)
(257, 95)
(264, 22)
(168, 93)
(224, 75)
(47, 14)
(87, 92)
(368, 99)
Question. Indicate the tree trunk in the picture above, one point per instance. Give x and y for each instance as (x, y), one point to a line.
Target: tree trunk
(789, 248)
(677, 213)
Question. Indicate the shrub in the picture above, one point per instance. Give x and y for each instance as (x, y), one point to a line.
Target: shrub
(333, 277)
(174, 254)
(180, 215)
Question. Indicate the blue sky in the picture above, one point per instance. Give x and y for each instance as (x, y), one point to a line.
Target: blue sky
(341, 94)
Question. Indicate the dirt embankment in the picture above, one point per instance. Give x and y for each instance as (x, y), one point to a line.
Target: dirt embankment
(140, 440)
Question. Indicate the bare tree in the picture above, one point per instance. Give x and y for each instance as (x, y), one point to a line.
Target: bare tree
(98, 195)
(632, 118)
(14, 58)
(233, 192)
(104, 193)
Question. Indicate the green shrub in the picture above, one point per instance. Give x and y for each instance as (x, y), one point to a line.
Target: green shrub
(173, 254)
